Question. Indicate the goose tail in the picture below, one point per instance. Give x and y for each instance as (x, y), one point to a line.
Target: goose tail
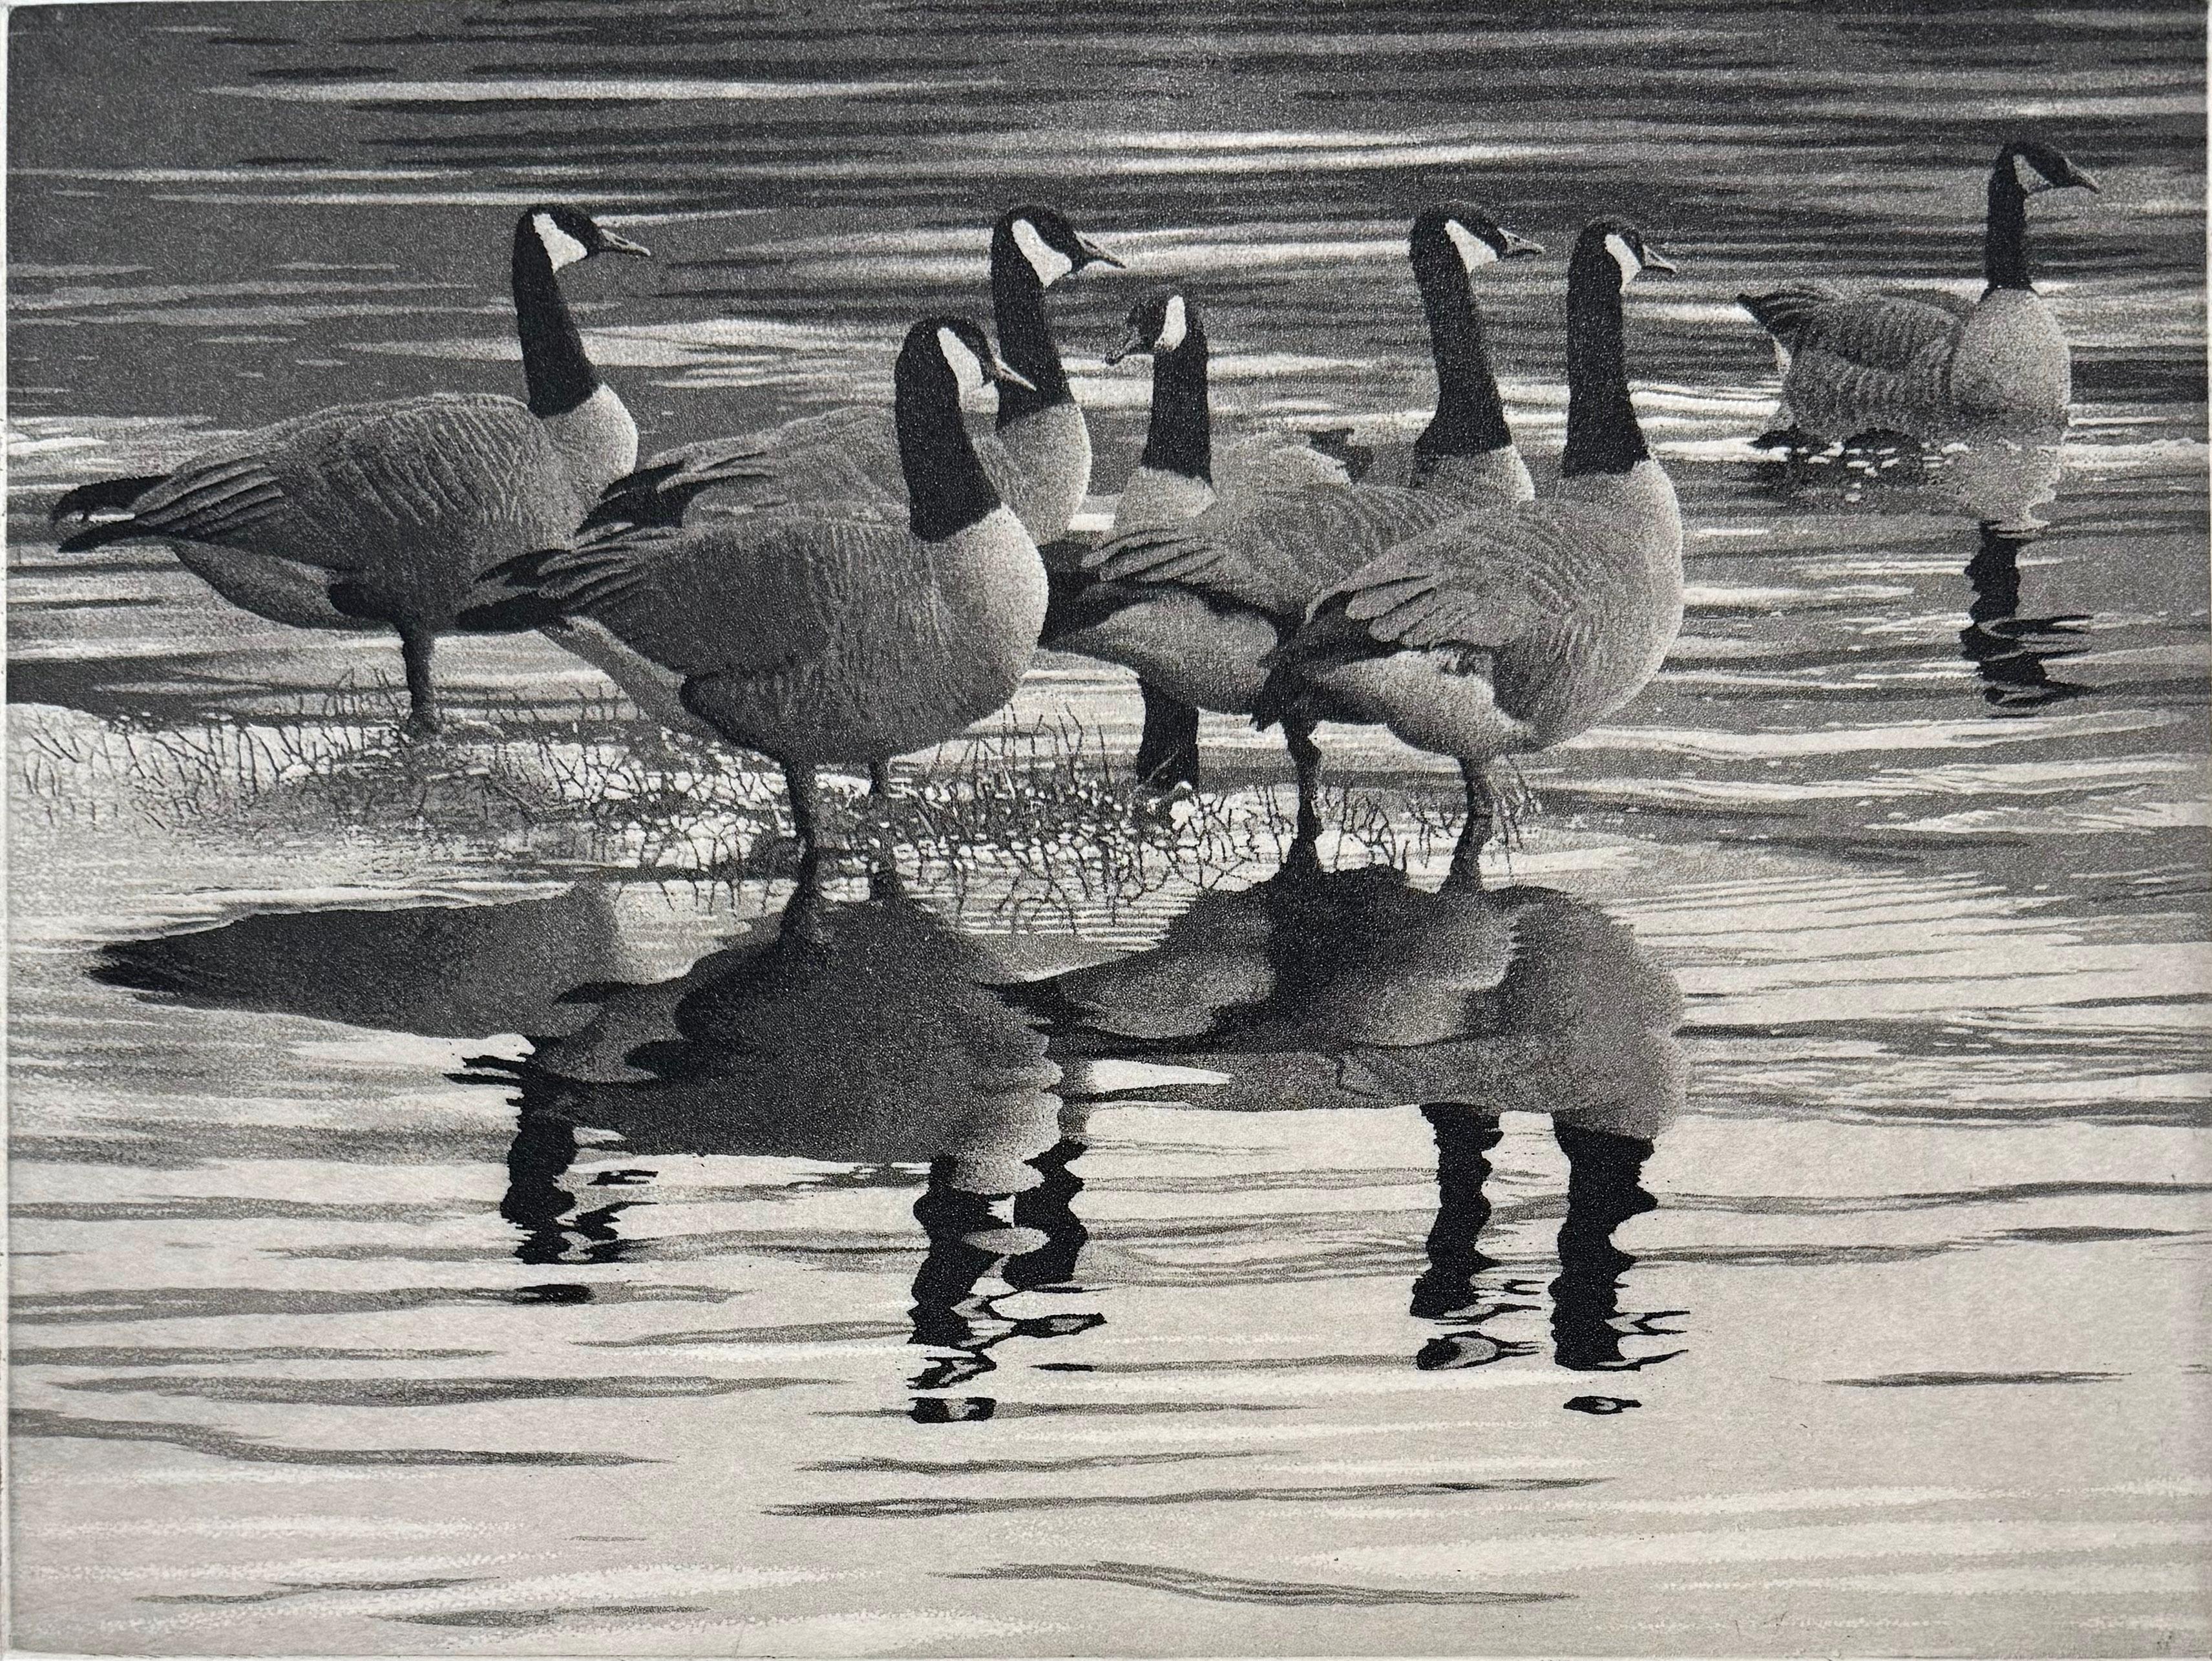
(662, 492)
(1785, 313)
(106, 496)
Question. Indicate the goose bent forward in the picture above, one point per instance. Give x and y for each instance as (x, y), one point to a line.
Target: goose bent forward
(814, 638)
(1515, 629)
(370, 516)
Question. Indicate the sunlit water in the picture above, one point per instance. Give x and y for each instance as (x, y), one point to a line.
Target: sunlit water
(864, 1336)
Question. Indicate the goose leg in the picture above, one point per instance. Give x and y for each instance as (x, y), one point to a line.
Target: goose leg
(1306, 755)
(1467, 858)
(1167, 754)
(879, 780)
(416, 649)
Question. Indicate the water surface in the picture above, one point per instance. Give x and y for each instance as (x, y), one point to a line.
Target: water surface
(435, 1238)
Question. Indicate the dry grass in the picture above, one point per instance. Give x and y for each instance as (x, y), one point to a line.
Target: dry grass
(1031, 820)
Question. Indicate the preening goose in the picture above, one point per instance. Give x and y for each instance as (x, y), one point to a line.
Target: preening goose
(821, 639)
(1038, 458)
(1516, 628)
(1194, 591)
(1913, 363)
(372, 515)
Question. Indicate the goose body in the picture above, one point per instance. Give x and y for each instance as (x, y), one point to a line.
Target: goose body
(385, 516)
(1037, 457)
(1514, 630)
(1919, 363)
(825, 639)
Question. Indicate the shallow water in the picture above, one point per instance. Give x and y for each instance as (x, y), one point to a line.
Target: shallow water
(868, 1335)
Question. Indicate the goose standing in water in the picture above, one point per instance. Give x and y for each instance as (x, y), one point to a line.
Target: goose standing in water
(370, 515)
(1518, 628)
(1466, 452)
(818, 639)
(1916, 363)
(1038, 458)
(1194, 591)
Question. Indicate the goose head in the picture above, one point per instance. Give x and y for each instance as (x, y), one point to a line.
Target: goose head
(948, 357)
(1465, 234)
(2034, 168)
(1625, 246)
(569, 234)
(1046, 243)
(1158, 324)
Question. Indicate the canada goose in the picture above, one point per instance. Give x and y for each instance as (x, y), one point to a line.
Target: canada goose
(819, 639)
(1518, 628)
(1914, 362)
(1467, 450)
(384, 514)
(1194, 590)
(1038, 458)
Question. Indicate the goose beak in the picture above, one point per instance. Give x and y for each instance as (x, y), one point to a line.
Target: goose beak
(1654, 260)
(1516, 244)
(996, 369)
(1131, 343)
(611, 243)
(2082, 178)
(1095, 255)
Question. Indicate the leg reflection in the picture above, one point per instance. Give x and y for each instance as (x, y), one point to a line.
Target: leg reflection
(1448, 1292)
(967, 1241)
(1604, 1190)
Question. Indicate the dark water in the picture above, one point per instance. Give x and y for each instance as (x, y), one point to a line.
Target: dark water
(443, 1248)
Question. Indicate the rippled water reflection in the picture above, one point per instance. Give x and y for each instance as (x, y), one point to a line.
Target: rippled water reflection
(430, 1235)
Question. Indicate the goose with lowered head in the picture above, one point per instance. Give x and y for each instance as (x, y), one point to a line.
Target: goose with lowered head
(384, 516)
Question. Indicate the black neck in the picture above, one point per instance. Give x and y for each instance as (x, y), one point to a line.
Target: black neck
(947, 489)
(1025, 340)
(1602, 436)
(554, 366)
(1180, 439)
(1470, 417)
(2004, 247)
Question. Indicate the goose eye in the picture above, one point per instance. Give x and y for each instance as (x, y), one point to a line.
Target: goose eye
(1049, 264)
(1474, 251)
(561, 248)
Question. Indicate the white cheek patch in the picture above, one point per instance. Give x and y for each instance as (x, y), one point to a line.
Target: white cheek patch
(967, 369)
(1175, 323)
(1046, 261)
(1473, 250)
(2025, 175)
(1624, 256)
(561, 248)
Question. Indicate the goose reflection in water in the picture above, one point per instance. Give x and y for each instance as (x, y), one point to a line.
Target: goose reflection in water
(2002, 475)
(1356, 988)
(862, 1031)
